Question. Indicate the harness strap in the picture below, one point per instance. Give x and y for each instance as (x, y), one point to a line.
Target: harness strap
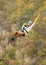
(25, 29)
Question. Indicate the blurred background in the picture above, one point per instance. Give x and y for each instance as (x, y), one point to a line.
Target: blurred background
(28, 50)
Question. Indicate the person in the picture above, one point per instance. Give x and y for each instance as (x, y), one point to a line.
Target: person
(25, 29)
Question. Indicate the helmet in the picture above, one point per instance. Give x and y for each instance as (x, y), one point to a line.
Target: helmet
(30, 22)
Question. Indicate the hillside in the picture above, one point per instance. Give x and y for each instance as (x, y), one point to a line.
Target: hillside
(28, 50)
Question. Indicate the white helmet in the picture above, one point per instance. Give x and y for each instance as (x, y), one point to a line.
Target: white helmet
(30, 22)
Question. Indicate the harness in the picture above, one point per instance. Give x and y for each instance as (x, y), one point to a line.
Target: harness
(25, 29)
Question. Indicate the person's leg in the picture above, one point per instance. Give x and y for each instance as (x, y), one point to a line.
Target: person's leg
(17, 34)
(14, 35)
(22, 33)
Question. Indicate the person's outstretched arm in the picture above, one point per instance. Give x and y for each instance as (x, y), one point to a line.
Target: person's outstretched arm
(34, 22)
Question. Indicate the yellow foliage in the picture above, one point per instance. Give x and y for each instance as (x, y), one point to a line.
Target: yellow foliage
(43, 8)
(1, 63)
(13, 15)
(44, 18)
(19, 2)
(18, 11)
(31, 5)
